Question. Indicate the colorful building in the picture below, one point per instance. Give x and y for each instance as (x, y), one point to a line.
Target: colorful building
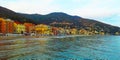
(19, 28)
(29, 27)
(6, 26)
(83, 32)
(9, 26)
(73, 31)
(67, 31)
(61, 31)
(2, 26)
(55, 31)
(42, 29)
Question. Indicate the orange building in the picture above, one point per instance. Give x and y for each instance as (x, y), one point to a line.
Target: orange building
(55, 30)
(19, 27)
(9, 26)
(2, 26)
(6, 26)
(29, 27)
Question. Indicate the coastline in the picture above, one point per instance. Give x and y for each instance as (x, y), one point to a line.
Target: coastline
(10, 37)
(36, 37)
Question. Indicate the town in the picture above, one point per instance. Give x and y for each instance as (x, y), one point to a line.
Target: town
(8, 26)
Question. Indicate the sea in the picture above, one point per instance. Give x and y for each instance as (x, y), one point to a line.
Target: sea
(106, 47)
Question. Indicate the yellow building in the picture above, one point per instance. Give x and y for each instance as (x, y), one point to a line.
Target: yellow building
(102, 33)
(19, 28)
(83, 32)
(61, 30)
(73, 31)
(67, 31)
(42, 29)
(116, 33)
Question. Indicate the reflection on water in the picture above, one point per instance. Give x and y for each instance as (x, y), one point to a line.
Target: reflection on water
(69, 48)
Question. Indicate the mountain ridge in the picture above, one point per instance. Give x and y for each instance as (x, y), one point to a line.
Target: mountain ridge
(59, 17)
(6, 13)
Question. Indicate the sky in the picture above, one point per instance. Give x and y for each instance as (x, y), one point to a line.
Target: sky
(107, 11)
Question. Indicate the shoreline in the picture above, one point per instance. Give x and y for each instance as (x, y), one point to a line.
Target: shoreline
(10, 37)
(36, 37)
(39, 37)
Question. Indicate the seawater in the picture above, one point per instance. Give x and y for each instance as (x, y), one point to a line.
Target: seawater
(67, 48)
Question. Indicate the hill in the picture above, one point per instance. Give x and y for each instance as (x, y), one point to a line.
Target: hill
(75, 21)
(59, 19)
(6, 13)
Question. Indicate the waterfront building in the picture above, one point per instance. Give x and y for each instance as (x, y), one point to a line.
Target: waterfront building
(102, 33)
(42, 29)
(117, 33)
(19, 28)
(9, 26)
(61, 31)
(55, 30)
(83, 32)
(2, 26)
(6, 26)
(29, 27)
(73, 31)
(67, 31)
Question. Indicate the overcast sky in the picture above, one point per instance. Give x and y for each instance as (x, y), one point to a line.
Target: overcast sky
(93, 9)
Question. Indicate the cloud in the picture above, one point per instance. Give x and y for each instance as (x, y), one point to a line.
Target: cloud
(101, 10)
(94, 12)
(32, 6)
(85, 8)
(97, 8)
